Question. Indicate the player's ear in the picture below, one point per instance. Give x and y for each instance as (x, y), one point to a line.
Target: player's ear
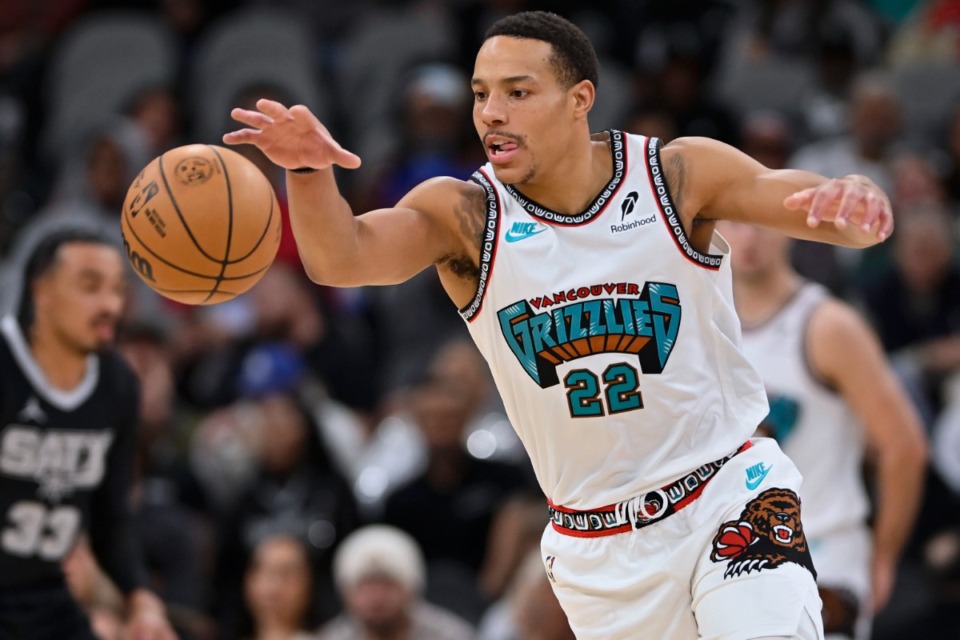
(583, 95)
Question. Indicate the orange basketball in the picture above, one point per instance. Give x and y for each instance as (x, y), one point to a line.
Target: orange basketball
(201, 224)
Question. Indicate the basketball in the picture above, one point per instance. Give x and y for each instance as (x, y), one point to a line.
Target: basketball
(201, 224)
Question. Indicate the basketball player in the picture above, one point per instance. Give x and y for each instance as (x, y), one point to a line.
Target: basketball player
(68, 408)
(588, 273)
(832, 395)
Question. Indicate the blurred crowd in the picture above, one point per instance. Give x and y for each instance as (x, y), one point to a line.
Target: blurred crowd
(317, 462)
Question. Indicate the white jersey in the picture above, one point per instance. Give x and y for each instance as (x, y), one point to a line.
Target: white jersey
(614, 342)
(813, 424)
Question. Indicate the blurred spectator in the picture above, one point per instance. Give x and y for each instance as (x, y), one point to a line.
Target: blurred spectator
(652, 122)
(285, 311)
(157, 111)
(411, 320)
(296, 490)
(535, 607)
(395, 451)
(674, 81)
(915, 304)
(875, 121)
(380, 574)
(278, 591)
(449, 509)
(952, 145)
(530, 610)
(489, 435)
(514, 534)
(91, 186)
(917, 183)
(170, 505)
(381, 457)
(824, 110)
(766, 136)
(436, 137)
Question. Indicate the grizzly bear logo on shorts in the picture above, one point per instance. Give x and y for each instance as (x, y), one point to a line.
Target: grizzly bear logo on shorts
(767, 534)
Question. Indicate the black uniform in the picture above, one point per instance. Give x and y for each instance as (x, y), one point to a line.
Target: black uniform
(66, 461)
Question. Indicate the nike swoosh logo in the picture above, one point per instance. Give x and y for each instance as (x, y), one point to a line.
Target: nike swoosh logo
(753, 484)
(517, 237)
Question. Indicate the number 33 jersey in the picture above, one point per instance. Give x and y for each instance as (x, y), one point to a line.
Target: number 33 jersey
(613, 341)
(64, 455)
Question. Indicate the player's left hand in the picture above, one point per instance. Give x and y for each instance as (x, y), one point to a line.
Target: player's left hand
(855, 205)
(147, 620)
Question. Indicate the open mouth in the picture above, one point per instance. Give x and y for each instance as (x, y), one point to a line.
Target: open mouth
(783, 534)
(500, 148)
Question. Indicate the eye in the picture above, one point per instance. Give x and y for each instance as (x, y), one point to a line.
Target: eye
(519, 93)
(479, 96)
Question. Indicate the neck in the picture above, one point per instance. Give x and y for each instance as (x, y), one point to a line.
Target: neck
(400, 630)
(62, 366)
(760, 298)
(445, 468)
(571, 184)
(275, 631)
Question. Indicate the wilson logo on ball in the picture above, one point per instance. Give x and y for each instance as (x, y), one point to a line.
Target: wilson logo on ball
(140, 263)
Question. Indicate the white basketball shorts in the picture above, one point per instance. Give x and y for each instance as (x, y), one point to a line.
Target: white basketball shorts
(730, 564)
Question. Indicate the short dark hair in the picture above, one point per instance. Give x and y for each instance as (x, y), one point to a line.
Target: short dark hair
(574, 58)
(43, 258)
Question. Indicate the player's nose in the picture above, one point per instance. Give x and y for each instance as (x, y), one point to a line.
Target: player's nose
(493, 111)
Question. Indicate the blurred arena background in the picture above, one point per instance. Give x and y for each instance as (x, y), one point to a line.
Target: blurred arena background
(299, 410)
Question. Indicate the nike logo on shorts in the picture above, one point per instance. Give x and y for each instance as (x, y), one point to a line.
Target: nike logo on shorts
(756, 474)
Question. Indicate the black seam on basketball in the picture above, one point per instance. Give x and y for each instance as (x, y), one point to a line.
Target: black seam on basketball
(188, 271)
(226, 253)
(262, 235)
(223, 291)
(176, 207)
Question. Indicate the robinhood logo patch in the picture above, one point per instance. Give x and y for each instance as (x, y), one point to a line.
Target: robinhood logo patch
(584, 322)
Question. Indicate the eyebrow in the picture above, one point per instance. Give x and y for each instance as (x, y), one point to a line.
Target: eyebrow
(509, 80)
(89, 273)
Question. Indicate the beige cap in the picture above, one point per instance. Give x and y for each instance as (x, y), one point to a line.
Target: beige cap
(379, 551)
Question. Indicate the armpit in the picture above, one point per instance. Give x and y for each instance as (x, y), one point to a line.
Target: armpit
(470, 212)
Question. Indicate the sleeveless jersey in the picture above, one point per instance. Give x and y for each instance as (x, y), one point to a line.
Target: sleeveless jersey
(57, 449)
(812, 423)
(613, 341)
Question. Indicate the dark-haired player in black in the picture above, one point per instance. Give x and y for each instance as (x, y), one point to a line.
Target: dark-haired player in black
(68, 409)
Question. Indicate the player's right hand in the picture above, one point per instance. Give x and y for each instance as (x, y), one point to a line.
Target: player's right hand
(291, 138)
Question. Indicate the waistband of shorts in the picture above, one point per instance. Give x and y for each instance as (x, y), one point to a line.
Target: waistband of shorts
(640, 511)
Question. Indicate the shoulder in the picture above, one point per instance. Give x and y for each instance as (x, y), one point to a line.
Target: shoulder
(835, 321)
(432, 621)
(340, 628)
(837, 337)
(443, 193)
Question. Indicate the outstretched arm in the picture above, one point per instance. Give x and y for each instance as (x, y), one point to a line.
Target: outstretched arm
(710, 181)
(385, 246)
(845, 351)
